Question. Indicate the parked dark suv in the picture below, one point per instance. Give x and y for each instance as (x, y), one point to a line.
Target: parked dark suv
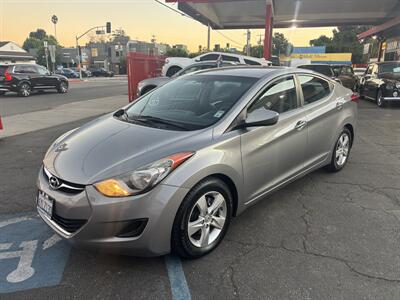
(381, 82)
(102, 72)
(341, 73)
(24, 79)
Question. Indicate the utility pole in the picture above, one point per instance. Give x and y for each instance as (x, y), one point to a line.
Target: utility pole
(248, 36)
(54, 19)
(208, 37)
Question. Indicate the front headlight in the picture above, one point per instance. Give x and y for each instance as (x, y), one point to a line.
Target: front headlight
(142, 179)
(398, 85)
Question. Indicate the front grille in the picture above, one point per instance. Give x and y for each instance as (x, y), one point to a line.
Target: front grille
(69, 225)
(65, 186)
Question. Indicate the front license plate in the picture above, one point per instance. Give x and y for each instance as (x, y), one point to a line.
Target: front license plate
(45, 203)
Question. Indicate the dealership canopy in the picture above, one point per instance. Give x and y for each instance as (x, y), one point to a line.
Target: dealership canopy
(243, 14)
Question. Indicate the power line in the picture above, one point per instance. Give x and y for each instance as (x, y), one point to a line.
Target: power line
(173, 9)
(228, 38)
(185, 15)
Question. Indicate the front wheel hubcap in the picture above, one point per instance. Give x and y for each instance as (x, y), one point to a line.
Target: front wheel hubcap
(207, 219)
(25, 90)
(342, 149)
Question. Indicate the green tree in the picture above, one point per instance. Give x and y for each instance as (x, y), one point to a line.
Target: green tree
(344, 40)
(36, 41)
(281, 45)
(177, 52)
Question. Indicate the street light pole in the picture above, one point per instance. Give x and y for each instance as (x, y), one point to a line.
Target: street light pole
(78, 59)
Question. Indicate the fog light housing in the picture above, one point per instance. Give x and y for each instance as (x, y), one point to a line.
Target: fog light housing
(395, 94)
(133, 228)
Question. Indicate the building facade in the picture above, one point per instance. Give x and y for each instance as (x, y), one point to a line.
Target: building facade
(11, 53)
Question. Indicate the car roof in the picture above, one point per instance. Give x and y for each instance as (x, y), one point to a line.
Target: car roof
(248, 71)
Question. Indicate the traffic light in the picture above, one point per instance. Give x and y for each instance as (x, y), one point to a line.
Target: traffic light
(108, 27)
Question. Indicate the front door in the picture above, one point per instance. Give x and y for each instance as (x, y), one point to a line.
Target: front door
(272, 154)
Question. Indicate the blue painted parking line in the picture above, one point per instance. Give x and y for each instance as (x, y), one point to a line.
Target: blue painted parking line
(31, 255)
(177, 279)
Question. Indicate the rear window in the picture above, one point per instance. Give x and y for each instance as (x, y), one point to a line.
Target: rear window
(326, 70)
(251, 62)
(3, 69)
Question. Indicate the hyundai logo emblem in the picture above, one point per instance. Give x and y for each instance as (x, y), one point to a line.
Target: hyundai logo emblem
(54, 183)
(62, 147)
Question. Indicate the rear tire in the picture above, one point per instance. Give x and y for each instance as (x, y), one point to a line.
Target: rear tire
(202, 219)
(24, 90)
(172, 70)
(341, 151)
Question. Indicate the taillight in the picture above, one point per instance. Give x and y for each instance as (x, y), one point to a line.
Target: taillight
(355, 97)
(7, 76)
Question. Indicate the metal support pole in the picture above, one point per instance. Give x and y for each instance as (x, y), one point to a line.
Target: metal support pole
(248, 37)
(79, 59)
(208, 36)
(268, 32)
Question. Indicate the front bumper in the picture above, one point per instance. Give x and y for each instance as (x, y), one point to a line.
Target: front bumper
(105, 218)
(391, 98)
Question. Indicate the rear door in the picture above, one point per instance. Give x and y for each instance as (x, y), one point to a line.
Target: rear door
(322, 113)
(30, 73)
(272, 154)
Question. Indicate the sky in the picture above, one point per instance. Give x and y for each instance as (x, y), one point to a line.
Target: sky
(141, 19)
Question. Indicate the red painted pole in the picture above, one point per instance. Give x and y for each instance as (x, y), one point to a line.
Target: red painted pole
(268, 32)
(1, 125)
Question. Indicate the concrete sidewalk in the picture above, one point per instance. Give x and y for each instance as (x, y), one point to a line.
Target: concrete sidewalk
(28, 122)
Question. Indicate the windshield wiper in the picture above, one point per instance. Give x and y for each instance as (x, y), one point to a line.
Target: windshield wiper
(145, 119)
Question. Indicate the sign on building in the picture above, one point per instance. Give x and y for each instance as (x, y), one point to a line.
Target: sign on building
(366, 48)
(95, 52)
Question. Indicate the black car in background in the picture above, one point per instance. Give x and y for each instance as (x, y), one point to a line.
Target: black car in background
(101, 73)
(26, 78)
(341, 73)
(381, 82)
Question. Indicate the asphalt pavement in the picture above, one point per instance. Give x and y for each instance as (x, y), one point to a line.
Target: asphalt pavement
(92, 88)
(325, 236)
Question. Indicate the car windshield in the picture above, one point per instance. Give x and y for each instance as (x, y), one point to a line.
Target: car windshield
(390, 68)
(190, 103)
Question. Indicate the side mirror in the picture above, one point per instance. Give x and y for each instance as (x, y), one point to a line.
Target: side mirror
(197, 60)
(260, 117)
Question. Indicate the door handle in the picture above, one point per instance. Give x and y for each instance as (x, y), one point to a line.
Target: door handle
(300, 125)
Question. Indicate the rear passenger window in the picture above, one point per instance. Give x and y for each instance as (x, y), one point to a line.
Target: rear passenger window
(251, 62)
(209, 57)
(314, 88)
(230, 58)
(281, 97)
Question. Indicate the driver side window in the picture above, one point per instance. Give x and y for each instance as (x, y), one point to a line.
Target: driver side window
(280, 97)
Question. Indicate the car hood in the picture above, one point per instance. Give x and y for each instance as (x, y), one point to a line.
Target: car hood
(108, 147)
(156, 81)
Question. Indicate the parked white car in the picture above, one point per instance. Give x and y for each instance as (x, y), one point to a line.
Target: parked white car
(175, 64)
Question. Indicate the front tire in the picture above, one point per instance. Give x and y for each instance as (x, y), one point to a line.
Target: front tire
(202, 219)
(24, 90)
(341, 151)
(62, 88)
(379, 99)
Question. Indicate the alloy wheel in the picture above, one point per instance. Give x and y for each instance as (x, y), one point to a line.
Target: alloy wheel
(207, 219)
(379, 100)
(63, 87)
(342, 149)
(25, 90)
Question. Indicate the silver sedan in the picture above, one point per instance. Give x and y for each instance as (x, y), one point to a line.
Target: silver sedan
(170, 171)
